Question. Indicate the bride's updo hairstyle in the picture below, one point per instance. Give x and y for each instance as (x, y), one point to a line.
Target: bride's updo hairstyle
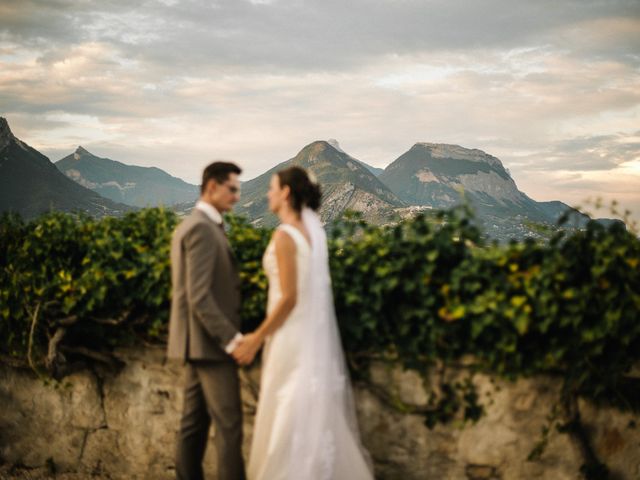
(304, 192)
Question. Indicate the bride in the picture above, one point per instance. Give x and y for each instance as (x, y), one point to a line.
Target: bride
(305, 425)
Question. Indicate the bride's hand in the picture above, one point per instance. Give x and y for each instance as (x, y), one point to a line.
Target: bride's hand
(247, 349)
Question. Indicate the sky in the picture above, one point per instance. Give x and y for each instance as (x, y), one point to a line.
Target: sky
(551, 88)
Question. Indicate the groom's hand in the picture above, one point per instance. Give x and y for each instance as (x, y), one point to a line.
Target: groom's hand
(247, 348)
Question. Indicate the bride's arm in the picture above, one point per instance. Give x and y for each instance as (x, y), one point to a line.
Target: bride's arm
(286, 258)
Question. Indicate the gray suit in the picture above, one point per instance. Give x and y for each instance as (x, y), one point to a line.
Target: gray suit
(205, 316)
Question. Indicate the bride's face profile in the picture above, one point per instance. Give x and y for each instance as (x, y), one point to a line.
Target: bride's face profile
(277, 195)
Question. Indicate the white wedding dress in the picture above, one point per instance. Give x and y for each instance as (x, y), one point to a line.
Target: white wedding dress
(305, 426)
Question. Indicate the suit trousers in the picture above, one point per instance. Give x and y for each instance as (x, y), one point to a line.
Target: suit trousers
(211, 393)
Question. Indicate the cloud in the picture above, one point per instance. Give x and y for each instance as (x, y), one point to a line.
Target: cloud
(315, 35)
(581, 170)
(551, 88)
(584, 154)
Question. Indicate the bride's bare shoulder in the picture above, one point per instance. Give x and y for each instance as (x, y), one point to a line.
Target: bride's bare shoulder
(283, 241)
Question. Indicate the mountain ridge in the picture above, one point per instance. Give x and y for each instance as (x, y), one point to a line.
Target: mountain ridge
(47, 188)
(426, 176)
(346, 184)
(130, 184)
(435, 175)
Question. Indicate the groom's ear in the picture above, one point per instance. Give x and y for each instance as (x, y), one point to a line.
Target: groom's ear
(210, 187)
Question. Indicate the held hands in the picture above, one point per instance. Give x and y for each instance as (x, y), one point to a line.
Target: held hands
(247, 348)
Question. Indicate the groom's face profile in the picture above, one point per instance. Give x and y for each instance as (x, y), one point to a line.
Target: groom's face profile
(223, 196)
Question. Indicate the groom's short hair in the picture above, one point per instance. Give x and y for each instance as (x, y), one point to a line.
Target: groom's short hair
(218, 171)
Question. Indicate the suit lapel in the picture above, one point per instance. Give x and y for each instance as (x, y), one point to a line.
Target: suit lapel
(232, 255)
(219, 231)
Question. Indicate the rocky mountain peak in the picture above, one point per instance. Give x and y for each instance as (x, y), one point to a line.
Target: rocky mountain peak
(5, 133)
(347, 184)
(316, 152)
(334, 143)
(456, 152)
(80, 151)
(317, 146)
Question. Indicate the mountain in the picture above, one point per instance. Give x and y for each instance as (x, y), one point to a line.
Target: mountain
(30, 184)
(575, 218)
(137, 186)
(556, 209)
(346, 184)
(435, 175)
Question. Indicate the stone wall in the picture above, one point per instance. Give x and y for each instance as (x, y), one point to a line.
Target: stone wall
(123, 426)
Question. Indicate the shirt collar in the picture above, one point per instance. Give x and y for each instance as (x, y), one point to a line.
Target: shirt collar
(210, 211)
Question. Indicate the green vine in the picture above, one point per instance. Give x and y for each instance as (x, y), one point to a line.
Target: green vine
(424, 294)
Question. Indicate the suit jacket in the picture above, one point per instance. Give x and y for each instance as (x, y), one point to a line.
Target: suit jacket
(205, 304)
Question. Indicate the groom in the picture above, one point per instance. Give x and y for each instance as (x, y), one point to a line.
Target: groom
(204, 328)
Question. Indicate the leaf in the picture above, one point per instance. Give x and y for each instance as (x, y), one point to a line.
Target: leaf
(458, 312)
(522, 324)
(518, 300)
